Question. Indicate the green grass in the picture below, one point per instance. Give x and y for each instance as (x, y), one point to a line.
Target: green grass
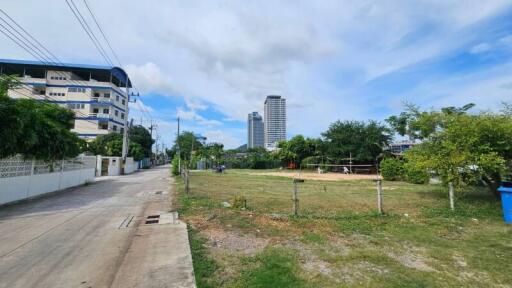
(274, 267)
(204, 265)
(339, 240)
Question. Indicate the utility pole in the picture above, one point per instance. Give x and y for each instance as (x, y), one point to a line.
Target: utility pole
(178, 146)
(124, 152)
(151, 136)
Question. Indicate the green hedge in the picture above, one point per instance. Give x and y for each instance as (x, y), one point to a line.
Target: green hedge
(175, 169)
(416, 175)
(392, 169)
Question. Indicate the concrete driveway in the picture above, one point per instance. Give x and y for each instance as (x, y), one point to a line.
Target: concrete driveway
(97, 235)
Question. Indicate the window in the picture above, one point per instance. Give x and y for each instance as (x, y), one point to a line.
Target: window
(123, 101)
(121, 130)
(105, 111)
(56, 94)
(117, 97)
(58, 78)
(96, 94)
(106, 95)
(116, 112)
(122, 115)
(74, 89)
(95, 110)
(76, 105)
(114, 127)
(103, 126)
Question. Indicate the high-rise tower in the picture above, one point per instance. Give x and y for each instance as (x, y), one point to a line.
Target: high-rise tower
(274, 121)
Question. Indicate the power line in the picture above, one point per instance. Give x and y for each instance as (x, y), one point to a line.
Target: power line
(38, 54)
(102, 33)
(88, 30)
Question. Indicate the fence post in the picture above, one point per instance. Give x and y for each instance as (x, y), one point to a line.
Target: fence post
(379, 196)
(186, 181)
(450, 192)
(295, 195)
(295, 199)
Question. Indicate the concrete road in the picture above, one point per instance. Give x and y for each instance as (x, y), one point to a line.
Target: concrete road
(97, 236)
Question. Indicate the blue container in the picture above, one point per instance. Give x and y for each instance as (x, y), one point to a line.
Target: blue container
(506, 201)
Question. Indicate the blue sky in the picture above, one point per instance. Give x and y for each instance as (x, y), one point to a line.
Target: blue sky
(213, 62)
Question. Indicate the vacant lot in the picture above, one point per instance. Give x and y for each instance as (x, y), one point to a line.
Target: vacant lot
(311, 175)
(338, 240)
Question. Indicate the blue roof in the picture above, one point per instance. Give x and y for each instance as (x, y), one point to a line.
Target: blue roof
(116, 71)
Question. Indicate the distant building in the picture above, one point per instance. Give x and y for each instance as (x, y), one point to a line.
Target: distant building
(97, 94)
(275, 121)
(398, 148)
(255, 134)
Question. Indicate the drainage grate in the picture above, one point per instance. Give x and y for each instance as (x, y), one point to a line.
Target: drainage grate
(152, 219)
(158, 192)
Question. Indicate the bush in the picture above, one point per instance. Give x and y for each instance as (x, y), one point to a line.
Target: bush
(416, 175)
(175, 168)
(392, 169)
(239, 202)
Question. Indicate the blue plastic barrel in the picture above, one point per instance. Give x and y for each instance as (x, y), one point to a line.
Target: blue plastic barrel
(506, 201)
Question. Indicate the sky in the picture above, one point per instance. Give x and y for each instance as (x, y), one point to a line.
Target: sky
(213, 62)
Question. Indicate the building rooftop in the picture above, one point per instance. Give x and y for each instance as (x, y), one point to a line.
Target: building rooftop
(272, 97)
(116, 72)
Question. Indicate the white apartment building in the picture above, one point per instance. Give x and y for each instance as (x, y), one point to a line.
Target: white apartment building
(255, 134)
(97, 94)
(274, 121)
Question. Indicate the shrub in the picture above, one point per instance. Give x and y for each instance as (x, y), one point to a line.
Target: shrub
(175, 168)
(239, 202)
(416, 175)
(392, 169)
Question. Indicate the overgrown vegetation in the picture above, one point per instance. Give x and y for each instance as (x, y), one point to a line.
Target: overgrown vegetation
(35, 129)
(338, 240)
(392, 169)
(461, 147)
(140, 143)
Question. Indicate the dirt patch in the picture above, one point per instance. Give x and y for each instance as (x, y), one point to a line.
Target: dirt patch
(231, 241)
(322, 177)
(412, 260)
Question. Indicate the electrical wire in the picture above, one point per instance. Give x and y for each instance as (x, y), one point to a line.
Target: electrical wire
(102, 33)
(88, 30)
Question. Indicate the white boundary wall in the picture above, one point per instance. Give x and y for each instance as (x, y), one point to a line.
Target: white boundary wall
(130, 166)
(21, 179)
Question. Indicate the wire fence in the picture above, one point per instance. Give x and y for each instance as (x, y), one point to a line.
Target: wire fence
(274, 194)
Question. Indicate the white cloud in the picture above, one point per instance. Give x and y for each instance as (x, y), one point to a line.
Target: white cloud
(228, 55)
(480, 48)
(219, 136)
(193, 116)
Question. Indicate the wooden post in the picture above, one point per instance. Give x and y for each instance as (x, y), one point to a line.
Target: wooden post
(450, 192)
(295, 195)
(379, 196)
(295, 199)
(186, 181)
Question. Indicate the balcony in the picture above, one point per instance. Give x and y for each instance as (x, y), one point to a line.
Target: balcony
(100, 116)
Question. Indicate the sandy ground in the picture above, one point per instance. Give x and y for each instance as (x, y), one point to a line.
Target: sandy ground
(316, 176)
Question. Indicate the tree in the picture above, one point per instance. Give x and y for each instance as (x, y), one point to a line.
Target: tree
(464, 148)
(112, 145)
(212, 151)
(418, 124)
(364, 140)
(140, 135)
(187, 141)
(35, 129)
(296, 149)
